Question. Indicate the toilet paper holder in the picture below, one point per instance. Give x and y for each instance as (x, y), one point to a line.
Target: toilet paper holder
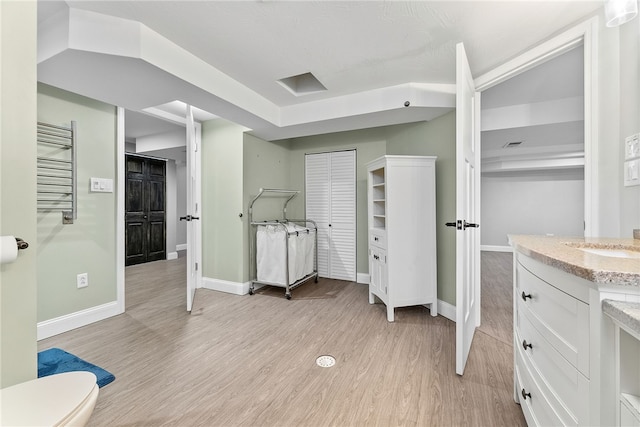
(21, 244)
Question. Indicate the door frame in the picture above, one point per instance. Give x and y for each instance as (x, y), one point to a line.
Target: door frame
(585, 33)
(120, 204)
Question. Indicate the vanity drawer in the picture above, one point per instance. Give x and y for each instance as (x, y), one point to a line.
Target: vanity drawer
(378, 238)
(535, 406)
(560, 318)
(567, 389)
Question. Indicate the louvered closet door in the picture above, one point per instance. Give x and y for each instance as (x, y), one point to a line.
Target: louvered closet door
(331, 202)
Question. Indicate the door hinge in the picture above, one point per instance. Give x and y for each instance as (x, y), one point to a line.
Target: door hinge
(196, 266)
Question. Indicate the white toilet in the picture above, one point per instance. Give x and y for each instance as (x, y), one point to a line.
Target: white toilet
(64, 399)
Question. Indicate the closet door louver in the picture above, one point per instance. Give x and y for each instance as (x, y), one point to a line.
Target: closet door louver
(342, 251)
(317, 204)
(331, 202)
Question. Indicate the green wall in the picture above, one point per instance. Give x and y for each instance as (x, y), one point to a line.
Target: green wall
(369, 145)
(237, 163)
(436, 138)
(265, 165)
(89, 244)
(18, 346)
(222, 245)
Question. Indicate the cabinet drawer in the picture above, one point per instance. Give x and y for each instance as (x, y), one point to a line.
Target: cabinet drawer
(560, 318)
(567, 389)
(378, 238)
(536, 408)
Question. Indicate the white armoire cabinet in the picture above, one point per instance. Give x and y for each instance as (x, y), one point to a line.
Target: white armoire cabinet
(330, 200)
(402, 232)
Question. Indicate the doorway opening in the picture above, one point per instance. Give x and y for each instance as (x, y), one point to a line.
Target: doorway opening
(572, 161)
(162, 142)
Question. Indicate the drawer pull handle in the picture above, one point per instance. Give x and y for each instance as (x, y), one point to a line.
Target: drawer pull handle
(526, 344)
(525, 296)
(525, 395)
(375, 238)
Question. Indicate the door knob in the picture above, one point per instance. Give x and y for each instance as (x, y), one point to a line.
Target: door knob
(145, 217)
(457, 224)
(466, 225)
(462, 224)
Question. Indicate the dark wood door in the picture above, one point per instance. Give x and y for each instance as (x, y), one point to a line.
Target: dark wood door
(145, 220)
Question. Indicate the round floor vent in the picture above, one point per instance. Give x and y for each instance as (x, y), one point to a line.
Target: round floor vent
(326, 361)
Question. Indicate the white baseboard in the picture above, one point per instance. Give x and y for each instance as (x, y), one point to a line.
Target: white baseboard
(447, 310)
(181, 247)
(363, 278)
(494, 248)
(172, 255)
(49, 328)
(227, 286)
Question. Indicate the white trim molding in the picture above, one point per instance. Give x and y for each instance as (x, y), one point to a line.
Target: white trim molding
(120, 210)
(363, 278)
(68, 322)
(181, 247)
(172, 255)
(495, 248)
(447, 310)
(227, 286)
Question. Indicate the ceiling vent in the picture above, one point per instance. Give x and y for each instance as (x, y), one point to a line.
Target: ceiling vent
(512, 144)
(302, 84)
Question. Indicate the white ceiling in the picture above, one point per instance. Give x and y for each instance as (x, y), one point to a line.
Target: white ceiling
(371, 55)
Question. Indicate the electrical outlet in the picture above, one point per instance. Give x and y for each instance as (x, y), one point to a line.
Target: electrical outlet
(82, 280)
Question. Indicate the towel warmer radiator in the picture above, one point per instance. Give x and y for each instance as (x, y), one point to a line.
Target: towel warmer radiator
(56, 170)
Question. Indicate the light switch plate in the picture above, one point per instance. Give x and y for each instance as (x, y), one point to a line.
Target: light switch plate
(632, 147)
(101, 185)
(632, 172)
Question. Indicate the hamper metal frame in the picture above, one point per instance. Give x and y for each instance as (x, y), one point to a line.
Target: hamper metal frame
(279, 223)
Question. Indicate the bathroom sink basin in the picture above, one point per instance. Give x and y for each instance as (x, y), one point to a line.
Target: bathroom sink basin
(613, 251)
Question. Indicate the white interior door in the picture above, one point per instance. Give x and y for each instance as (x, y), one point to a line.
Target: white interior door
(194, 236)
(342, 225)
(317, 208)
(330, 194)
(467, 210)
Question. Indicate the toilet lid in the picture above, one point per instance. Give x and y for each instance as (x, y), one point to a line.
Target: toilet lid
(45, 401)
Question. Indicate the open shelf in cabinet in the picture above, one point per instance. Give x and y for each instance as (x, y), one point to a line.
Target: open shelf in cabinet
(629, 352)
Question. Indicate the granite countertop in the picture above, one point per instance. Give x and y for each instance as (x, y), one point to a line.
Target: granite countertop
(625, 313)
(565, 254)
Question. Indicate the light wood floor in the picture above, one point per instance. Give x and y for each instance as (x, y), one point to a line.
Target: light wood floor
(250, 360)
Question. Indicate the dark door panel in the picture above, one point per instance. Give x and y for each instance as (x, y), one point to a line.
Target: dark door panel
(145, 220)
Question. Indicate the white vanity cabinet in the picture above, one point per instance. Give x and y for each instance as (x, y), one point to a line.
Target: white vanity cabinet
(551, 345)
(402, 232)
(565, 348)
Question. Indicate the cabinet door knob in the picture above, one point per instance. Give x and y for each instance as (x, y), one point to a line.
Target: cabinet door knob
(375, 238)
(525, 296)
(525, 395)
(526, 344)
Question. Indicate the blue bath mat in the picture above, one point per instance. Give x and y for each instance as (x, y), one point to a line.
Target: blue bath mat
(56, 361)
